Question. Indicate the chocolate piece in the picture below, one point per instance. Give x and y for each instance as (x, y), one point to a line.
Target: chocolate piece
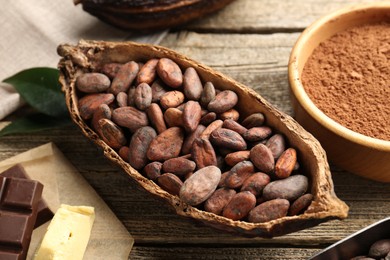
(18, 212)
(44, 212)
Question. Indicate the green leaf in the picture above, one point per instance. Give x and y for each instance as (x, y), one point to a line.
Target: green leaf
(40, 88)
(34, 123)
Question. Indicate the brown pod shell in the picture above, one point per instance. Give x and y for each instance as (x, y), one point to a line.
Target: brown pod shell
(147, 72)
(269, 210)
(170, 72)
(228, 139)
(240, 205)
(170, 183)
(111, 133)
(130, 118)
(192, 86)
(89, 104)
(203, 153)
(166, 145)
(139, 146)
(218, 200)
(93, 82)
(124, 77)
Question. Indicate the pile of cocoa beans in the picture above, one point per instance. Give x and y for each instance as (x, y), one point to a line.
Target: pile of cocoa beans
(188, 137)
(378, 250)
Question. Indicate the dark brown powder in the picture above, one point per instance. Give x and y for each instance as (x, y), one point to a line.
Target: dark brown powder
(348, 78)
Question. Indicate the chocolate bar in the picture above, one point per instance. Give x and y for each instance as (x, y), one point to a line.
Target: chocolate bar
(19, 200)
(44, 212)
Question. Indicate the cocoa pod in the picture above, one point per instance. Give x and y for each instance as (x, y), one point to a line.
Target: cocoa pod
(208, 94)
(238, 174)
(224, 101)
(166, 145)
(143, 96)
(170, 183)
(256, 183)
(211, 127)
(139, 146)
(179, 166)
(156, 117)
(208, 118)
(228, 139)
(173, 117)
(147, 72)
(300, 204)
(169, 72)
(276, 144)
(240, 205)
(92, 82)
(90, 103)
(218, 200)
(235, 126)
(290, 188)
(262, 158)
(253, 120)
(192, 86)
(130, 118)
(111, 134)
(199, 187)
(124, 77)
(203, 153)
(111, 69)
(232, 159)
(269, 210)
(285, 163)
(189, 140)
(256, 134)
(231, 114)
(191, 116)
(158, 89)
(171, 99)
(103, 111)
(153, 170)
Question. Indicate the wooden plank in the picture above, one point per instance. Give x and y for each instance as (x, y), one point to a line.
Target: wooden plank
(268, 16)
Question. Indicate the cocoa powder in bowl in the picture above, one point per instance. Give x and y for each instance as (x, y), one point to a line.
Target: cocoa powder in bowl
(348, 78)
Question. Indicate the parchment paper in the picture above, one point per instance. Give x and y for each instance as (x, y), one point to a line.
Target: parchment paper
(63, 184)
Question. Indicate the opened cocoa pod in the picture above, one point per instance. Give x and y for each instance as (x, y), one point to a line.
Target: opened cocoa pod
(150, 15)
(185, 172)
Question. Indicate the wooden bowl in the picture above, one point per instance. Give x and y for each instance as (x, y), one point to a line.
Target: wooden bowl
(88, 56)
(365, 156)
(150, 15)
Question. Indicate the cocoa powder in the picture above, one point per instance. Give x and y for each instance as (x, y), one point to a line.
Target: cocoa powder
(348, 78)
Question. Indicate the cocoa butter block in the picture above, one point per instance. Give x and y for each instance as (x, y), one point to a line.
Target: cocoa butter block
(44, 212)
(19, 200)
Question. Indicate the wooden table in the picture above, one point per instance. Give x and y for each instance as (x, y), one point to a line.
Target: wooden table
(250, 41)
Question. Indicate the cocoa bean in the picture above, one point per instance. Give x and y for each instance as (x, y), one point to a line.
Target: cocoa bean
(203, 153)
(171, 99)
(111, 134)
(240, 205)
(192, 86)
(170, 72)
(158, 89)
(92, 82)
(211, 127)
(224, 101)
(238, 174)
(276, 144)
(256, 134)
(170, 183)
(191, 116)
(139, 146)
(188, 141)
(156, 117)
(179, 166)
(199, 187)
(130, 118)
(380, 249)
(208, 94)
(153, 170)
(300, 204)
(131, 96)
(89, 103)
(230, 114)
(103, 111)
(147, 72)
(124, 77)
(290, 188)
(232, 159)
(111, 69)
(285, 163)
(124, 153)
(208, 118)
(228, 139)
(166, 145)
(253, 120)
(256, 183)
(269, 210)
(235, 126)
(173, 117)
(143, 96)
(223, 178)
(218, 200)
(121, 99)
(262, 158)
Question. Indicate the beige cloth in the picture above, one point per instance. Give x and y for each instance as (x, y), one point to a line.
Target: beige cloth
(31, 30)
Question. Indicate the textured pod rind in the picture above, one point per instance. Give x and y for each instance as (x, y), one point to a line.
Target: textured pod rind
(90, 55)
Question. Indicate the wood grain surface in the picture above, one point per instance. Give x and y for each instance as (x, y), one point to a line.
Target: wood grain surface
(250, 41)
